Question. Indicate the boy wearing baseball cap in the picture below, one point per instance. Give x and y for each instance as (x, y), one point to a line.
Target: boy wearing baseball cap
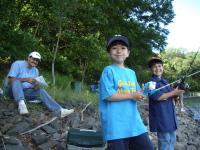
(162, 114)
(19, 85)
(119, 91)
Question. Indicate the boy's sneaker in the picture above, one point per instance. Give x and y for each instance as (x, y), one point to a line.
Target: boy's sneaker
(182, 109)
(22, 108)
(66, 112)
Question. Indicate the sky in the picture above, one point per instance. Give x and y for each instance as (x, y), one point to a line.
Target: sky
(185, 29)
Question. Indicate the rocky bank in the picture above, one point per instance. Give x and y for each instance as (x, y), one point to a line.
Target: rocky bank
(50, 131)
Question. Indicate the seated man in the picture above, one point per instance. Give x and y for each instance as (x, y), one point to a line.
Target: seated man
(19, 85)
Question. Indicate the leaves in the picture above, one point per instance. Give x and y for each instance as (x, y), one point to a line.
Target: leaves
(85, 27)
(178, 64)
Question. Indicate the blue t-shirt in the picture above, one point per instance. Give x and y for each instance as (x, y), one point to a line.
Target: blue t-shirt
(119, 119)
(20, 70)
(162, 114)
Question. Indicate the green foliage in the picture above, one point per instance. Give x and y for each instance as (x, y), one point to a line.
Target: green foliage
(85, 27)
(64, 90)
(178, 64)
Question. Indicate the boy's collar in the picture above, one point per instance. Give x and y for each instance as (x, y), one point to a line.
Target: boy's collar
(156, 77)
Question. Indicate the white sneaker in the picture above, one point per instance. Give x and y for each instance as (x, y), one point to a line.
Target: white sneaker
(182, 109)
(66, 112)
(22, 108)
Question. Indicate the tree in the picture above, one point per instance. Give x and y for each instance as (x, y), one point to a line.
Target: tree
(15, 41)
(84, 30)
(179, 63)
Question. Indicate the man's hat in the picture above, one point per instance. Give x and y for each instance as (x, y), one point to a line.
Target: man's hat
(116, 38)
(35, 55)
(154, 59)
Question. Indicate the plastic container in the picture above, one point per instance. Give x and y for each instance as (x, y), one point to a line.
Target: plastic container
(81, 139)
(72, 147)
(76, 86)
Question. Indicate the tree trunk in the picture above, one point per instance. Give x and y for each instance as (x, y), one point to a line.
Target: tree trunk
(54, 58)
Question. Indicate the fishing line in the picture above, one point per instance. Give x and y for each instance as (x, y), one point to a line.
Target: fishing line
(149, 87)
(182, 86)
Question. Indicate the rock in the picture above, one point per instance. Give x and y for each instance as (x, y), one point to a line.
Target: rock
(50, 144)
(75, 123)
(39, 139)
(180, 146)
(55, 125)
(12, 141)
(61, 146)
(37, 132)
(29, 121)
(57, 136)
(191, 148)
(49, 129)
(6, 113)
(19, 128)
(2, 122)
(7, 127)
(13, 147)
(54, 134)
(56, 113)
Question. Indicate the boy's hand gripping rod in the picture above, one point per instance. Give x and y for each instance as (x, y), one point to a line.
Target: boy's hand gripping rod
(149, 87)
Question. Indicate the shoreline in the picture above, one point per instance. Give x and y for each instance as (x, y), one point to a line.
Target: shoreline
(193, 112)
(186, 96)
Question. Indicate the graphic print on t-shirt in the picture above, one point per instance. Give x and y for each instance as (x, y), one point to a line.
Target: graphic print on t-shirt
(127, 87)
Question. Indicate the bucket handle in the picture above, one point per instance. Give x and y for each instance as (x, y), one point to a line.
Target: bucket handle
(88, 130)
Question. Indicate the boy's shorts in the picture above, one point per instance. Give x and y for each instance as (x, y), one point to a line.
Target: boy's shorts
(181, 97)
(141, 142)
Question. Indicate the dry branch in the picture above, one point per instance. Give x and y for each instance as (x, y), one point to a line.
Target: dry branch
(39, 126)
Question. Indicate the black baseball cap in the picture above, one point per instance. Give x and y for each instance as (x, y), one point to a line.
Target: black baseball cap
(117, 37)
(154, 59)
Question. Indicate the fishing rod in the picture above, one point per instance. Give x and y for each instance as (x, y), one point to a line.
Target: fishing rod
(183, 80)
(178, 80)
(149, 87)
(192, 87)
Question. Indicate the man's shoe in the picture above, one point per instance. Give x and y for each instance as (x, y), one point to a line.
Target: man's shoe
(182, 109)
(22, 108)
(66, 112)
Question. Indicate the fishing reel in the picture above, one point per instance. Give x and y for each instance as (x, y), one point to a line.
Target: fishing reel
(149, 88)
(183, 86)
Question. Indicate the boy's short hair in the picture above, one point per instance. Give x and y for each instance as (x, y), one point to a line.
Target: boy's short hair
(119, 40)
(153, 61)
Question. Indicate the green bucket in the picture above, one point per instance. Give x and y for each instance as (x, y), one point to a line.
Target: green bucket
(76, 86)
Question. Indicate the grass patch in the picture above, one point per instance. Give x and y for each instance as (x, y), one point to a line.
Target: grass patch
(63, 90)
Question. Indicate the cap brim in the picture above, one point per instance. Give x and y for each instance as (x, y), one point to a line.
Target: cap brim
(37, 58)
(117, 38)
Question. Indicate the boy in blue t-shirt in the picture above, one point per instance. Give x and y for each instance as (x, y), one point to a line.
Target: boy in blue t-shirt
(162, 114)
(119, 91)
